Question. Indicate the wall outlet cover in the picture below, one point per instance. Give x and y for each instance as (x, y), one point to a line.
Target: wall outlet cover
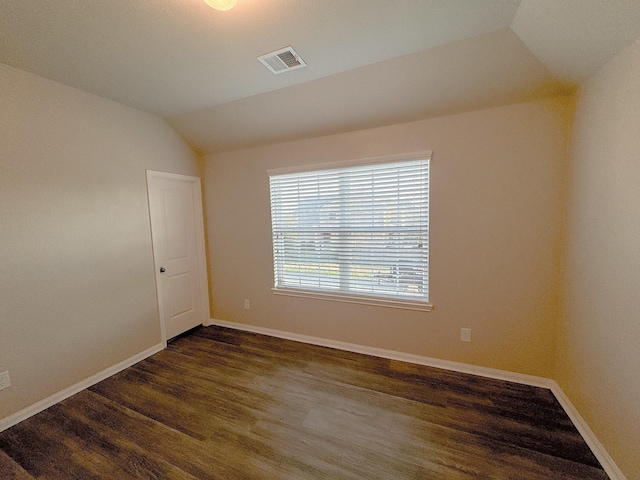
(465, 334)
(5, 382)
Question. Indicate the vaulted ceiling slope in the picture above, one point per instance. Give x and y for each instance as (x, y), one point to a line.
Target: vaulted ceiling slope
(370, 62)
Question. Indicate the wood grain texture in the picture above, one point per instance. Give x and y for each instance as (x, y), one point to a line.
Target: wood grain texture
(224, 404)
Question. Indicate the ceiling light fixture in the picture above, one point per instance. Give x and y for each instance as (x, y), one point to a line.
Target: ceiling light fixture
(221, 4)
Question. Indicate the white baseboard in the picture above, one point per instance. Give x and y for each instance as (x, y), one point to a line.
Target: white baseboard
(25, 413)
(393, 355)
(596, 447)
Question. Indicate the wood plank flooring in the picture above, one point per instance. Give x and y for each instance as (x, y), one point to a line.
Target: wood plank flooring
(224, 404)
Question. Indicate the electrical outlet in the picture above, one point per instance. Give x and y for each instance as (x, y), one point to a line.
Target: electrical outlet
(5, 382)
(247, 304)
(465, 334)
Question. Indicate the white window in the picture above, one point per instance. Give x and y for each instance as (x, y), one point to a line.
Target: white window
(356, 233)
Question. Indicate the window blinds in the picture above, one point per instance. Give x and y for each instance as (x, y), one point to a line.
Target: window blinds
(357, 230)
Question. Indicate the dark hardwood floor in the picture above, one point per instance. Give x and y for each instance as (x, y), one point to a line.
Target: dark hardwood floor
(223, 404)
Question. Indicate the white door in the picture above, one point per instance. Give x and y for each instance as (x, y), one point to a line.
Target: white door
(177, 230)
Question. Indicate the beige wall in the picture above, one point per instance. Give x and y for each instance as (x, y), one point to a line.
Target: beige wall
(599, 352)
(77, 286)
(497, 194)
(77, 292)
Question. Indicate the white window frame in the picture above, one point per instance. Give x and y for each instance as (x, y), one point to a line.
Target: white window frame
(385, 301)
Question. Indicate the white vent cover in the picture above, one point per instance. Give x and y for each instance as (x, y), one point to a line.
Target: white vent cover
(282, 60)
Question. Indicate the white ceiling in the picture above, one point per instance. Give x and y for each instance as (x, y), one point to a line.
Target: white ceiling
(370, 62)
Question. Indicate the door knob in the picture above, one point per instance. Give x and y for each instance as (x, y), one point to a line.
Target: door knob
(162, 270)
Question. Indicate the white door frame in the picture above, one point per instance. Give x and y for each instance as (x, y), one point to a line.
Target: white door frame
(200, 245)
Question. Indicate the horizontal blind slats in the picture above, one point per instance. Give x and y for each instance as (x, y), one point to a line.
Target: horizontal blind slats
(358, 229)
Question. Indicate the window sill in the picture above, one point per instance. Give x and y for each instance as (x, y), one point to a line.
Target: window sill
(362, 300)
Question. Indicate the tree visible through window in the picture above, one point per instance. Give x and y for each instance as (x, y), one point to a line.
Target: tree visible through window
(355, 230)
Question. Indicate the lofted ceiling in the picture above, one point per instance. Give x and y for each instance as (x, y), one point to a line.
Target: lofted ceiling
(370, 62)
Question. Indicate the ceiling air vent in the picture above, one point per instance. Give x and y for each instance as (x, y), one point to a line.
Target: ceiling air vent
(282, 60)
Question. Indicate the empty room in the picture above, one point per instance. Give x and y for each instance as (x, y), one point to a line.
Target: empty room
(304, 239)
